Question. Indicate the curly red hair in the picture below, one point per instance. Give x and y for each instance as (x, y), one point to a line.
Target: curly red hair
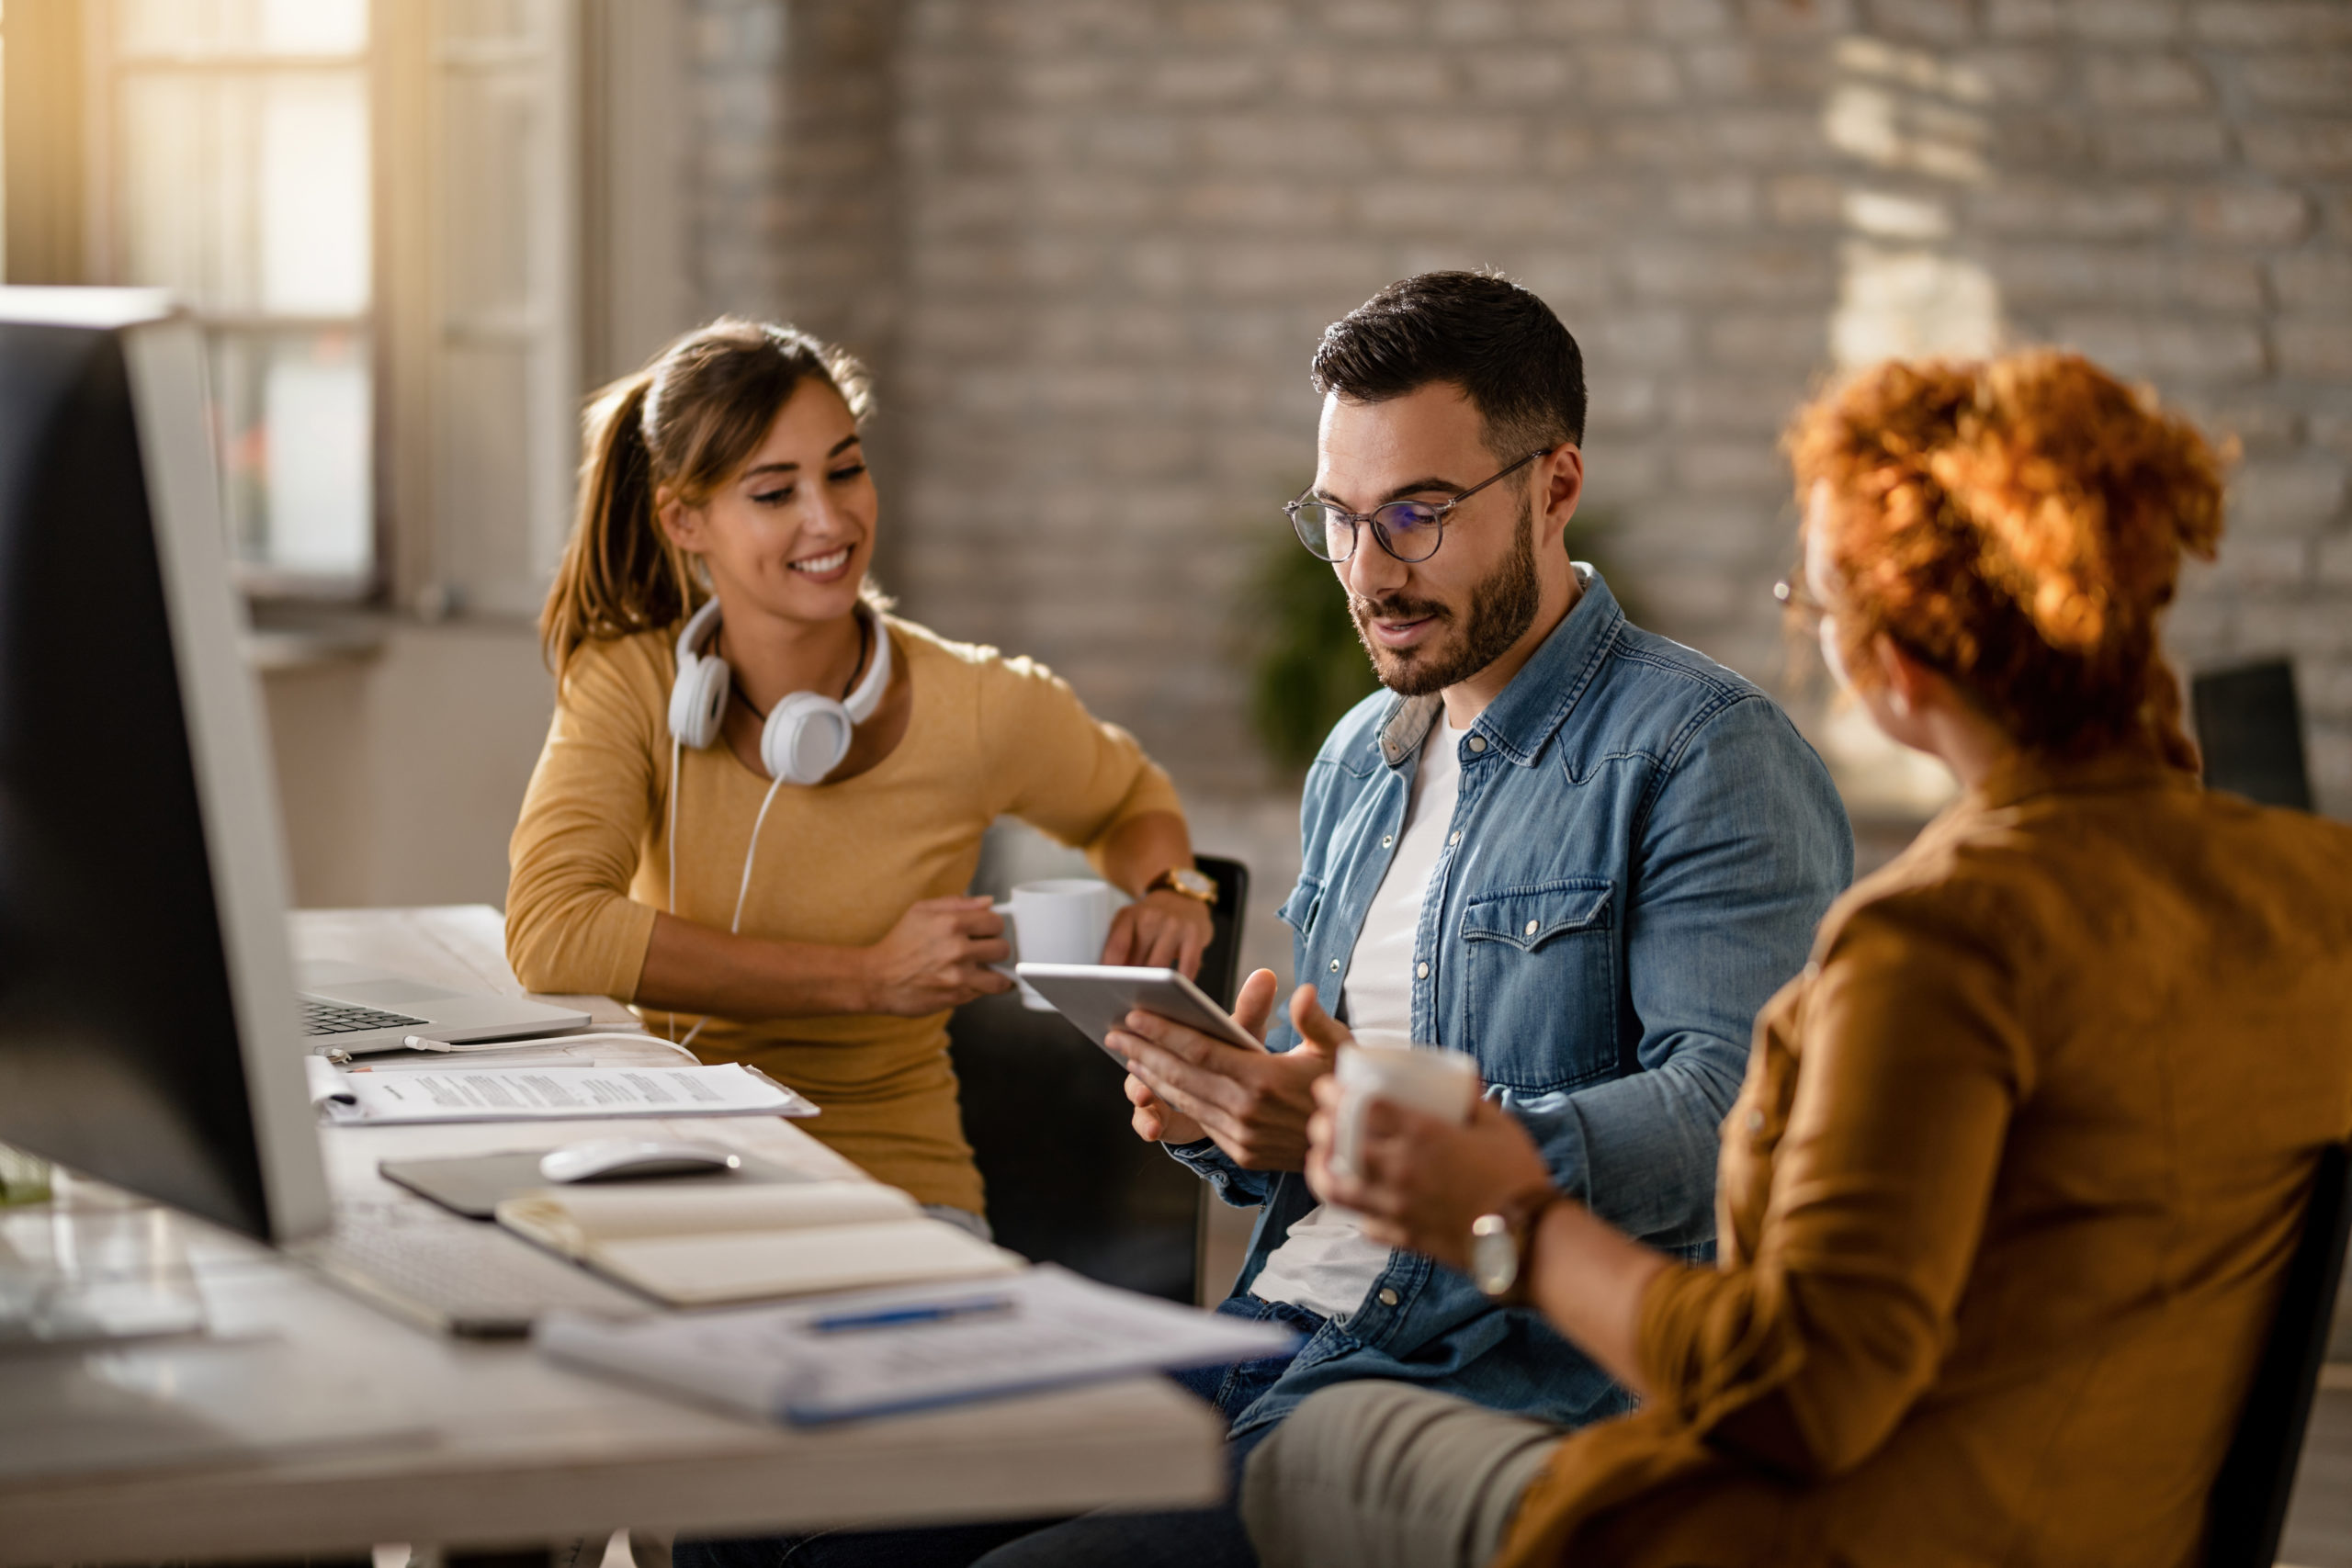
(2017, 524)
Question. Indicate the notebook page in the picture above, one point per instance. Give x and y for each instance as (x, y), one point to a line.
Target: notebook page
(571, 1219)
(739, 1266)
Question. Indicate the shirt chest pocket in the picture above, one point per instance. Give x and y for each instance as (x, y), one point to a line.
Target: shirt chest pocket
(1539, 983)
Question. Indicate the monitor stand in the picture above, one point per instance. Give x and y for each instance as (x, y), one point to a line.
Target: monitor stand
(93, 1267)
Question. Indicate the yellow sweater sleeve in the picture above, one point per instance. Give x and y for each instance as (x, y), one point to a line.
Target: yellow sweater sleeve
(601, 782)
(1058, 767)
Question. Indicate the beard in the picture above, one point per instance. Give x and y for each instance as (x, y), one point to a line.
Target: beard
(1502, 606)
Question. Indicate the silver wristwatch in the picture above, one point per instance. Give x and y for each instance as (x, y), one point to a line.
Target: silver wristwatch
(1499, 1245)
(1494, 1257)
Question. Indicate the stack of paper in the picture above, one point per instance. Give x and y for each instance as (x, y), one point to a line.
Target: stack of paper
(878, 1352)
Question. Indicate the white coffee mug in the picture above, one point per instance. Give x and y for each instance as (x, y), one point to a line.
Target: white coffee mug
(1063, 920)
(1426, 1078)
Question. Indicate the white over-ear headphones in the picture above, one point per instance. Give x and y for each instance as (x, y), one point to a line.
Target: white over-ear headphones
(804, 738)
(805, 734)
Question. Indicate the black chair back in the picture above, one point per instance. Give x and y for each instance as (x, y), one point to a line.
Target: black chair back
(1220, 974)
(2249, 1507)
(2250, 727)
(1047, 1114)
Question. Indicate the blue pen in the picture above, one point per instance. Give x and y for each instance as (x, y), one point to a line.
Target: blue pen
(896, 1317)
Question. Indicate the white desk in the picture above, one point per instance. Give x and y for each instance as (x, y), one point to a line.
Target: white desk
(418, 1438)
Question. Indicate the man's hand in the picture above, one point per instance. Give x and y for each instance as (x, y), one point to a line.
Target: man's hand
(1157, 1121)
(1254, 1104)
(936, 957)
(1162, 930)
(1421, 1180)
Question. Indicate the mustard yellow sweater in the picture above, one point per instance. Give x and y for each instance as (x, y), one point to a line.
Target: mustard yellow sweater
(838, 863)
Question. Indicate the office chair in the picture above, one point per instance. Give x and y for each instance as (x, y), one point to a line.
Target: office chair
(2247, 1510)
(1046, 1115)
(2250, 727)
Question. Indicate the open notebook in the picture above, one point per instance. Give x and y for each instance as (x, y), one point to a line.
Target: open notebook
(698, 1245)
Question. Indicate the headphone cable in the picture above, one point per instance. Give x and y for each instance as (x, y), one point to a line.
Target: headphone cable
(742, 889)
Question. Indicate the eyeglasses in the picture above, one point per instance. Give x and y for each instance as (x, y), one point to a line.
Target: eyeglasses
(1408, 530)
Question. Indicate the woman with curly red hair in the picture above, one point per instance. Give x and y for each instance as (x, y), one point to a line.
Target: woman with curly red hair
(2006, 1200)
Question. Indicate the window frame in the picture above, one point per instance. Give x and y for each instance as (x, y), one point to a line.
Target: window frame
(104, 68)
(620, 228)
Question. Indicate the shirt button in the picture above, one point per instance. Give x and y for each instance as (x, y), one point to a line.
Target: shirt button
(1530, 928)
(1387, 1297)
(1457, 839)
(1756, 1121)
(1387, 840)
(1335, 967)
(1420, 970)
(1477, 744)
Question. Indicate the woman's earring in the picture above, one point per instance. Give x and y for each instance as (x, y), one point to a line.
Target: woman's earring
(1900, 704)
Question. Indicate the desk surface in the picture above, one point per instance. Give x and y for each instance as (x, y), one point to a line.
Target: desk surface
(369, 1430)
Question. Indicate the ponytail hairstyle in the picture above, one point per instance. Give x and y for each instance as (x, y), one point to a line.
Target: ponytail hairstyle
(678, 429)
(2017, 524)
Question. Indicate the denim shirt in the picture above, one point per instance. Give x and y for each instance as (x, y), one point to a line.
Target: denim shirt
(1640, 849)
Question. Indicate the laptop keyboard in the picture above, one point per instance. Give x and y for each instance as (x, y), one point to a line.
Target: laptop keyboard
(462, 1277)
(338, 1018)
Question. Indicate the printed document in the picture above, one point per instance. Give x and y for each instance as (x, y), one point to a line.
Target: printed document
(537, 1093)
(1045, 1327)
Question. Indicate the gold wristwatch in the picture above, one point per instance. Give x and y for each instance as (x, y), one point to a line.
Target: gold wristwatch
(1185, 880)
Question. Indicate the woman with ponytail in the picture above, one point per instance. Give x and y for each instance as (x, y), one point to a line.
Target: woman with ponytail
(763, 795)
(2007, 1200)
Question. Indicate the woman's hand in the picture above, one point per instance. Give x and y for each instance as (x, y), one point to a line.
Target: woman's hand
(936, 957)
(1420, 1179)
(1162, 930)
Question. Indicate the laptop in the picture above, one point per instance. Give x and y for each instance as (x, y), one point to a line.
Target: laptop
(350, 1007)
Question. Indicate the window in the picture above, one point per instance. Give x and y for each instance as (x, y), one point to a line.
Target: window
(230, 146)
(375, 211)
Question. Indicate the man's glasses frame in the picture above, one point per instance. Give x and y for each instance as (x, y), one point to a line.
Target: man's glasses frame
(1315, 521)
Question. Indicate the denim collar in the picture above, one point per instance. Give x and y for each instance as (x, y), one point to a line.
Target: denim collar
(1539, 698)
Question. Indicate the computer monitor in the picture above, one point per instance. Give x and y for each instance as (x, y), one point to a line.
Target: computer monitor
(148, 1032)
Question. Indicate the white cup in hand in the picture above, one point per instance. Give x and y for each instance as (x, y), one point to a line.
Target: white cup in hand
(1425, 1078)
(1061, 920)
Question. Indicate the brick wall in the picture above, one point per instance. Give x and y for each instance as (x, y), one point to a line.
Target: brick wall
(1092, 242)
(2172, 192)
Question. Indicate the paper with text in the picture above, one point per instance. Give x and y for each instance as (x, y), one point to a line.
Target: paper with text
(540, 1093)
(773, 1363)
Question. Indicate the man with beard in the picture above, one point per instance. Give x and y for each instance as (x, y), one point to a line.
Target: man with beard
(1577, 852)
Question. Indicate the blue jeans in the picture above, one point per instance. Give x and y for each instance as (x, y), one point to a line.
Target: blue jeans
(1192, 1537)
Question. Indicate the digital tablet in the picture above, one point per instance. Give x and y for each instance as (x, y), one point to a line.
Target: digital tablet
(1095, 996)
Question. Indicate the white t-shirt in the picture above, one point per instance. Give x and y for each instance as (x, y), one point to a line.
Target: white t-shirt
(1326, 1264)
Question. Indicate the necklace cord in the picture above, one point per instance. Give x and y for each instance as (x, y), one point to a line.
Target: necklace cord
(865, 647)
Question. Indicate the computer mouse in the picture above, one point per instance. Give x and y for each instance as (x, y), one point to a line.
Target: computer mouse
(634, 1159)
